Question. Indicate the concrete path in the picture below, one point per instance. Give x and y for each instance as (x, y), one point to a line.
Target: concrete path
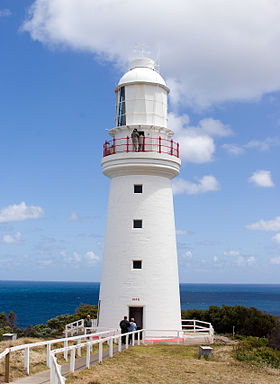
(44, 377)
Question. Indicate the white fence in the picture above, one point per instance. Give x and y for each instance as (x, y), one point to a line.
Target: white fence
(197, 328)
(55, 369)
(79, 326)
(49, 343)
(190, 329)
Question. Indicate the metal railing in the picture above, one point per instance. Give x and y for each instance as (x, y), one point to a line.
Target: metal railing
(144, 144)
(56, 376)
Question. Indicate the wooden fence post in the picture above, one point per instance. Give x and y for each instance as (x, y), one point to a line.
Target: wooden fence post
(7, 368)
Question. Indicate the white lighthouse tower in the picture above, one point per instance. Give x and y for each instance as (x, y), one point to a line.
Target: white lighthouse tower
(140, 272)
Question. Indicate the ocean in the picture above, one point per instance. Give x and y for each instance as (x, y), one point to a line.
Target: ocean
(35, 302)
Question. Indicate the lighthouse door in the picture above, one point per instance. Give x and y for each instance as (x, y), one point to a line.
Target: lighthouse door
(137, 313)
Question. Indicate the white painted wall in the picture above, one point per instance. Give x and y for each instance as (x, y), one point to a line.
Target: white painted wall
(156, 285)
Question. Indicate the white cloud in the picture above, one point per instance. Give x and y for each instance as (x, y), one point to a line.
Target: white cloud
(276, 238)
(20, 212)
(205, 184)
(74, 217)
(275, 260)
(232, 253)
(233, 149)
(263, 225)
(262, 178)
(214, 51)
(265, 145)
(196, 142)
(11, 239)
(91, 257)
(251, 260)
(215, 259)
(5, 12)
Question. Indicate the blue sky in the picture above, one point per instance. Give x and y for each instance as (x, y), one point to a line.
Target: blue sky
(60, 62)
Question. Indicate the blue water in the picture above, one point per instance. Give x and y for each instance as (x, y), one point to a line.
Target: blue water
(36, 302)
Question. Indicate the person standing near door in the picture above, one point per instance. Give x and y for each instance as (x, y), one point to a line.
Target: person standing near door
(124, 325)
(132, 328)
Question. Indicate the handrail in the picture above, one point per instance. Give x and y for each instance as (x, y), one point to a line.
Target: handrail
(142, 144)
(49, 343)
(55, 371)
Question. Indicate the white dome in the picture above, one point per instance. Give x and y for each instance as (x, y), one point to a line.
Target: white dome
(142, 70)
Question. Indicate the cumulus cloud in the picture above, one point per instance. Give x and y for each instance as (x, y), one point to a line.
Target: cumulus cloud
(20, 212)
(276, 238)
(12, 239)
(196, 142)
(265, 225)
(251, 260)
(76, 258)
(215, 259)
(205, 184)
(262, 178)
(214, 51)
(5, 12)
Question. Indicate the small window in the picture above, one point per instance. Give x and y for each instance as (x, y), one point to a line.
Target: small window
(138, 188)
(137, 264)
(137, 223)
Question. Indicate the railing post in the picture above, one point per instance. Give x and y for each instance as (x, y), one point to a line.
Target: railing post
(72, 360)
(177, 149)
(88, 356)
(194, 323)
(100, 352)
(138, 338)
(79, 347)
(127, 144)
(52, 371)
(111, 347)
(7, 368)
(119, 344)
(178, 337)
(26, 360)
(144, 143)
(65, 351)
(143, 337)
(114, 145)
(159, 144)
(126, 341)
(171, 152)
(133, 339)
(48, 354)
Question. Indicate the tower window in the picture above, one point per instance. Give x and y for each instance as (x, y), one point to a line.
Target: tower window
(137, 264)
(137, 223)
(138, 188)
(121, 112)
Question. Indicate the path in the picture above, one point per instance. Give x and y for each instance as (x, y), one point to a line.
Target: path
(44, 377)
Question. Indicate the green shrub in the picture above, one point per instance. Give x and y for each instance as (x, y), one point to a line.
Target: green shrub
(247, 321)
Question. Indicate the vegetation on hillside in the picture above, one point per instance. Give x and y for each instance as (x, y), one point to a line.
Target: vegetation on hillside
(246, 321)
(54, 327)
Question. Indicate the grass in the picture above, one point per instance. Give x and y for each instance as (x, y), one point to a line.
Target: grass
(176, 364)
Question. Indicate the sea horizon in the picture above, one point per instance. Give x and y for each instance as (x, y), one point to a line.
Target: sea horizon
(35, 301)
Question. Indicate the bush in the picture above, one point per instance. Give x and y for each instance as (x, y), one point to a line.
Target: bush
(255, 350)
(247, 321)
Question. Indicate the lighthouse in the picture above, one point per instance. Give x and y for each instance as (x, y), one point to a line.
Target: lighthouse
(140, 269)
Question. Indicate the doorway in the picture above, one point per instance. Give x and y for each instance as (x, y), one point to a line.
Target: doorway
(137, 313)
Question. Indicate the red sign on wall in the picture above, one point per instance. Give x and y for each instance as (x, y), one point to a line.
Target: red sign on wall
(135, 299)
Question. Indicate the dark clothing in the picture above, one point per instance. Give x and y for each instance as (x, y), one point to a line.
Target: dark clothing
(87, 322)
(124, 325)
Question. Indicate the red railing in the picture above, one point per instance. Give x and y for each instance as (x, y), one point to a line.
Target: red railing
(143, 144)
